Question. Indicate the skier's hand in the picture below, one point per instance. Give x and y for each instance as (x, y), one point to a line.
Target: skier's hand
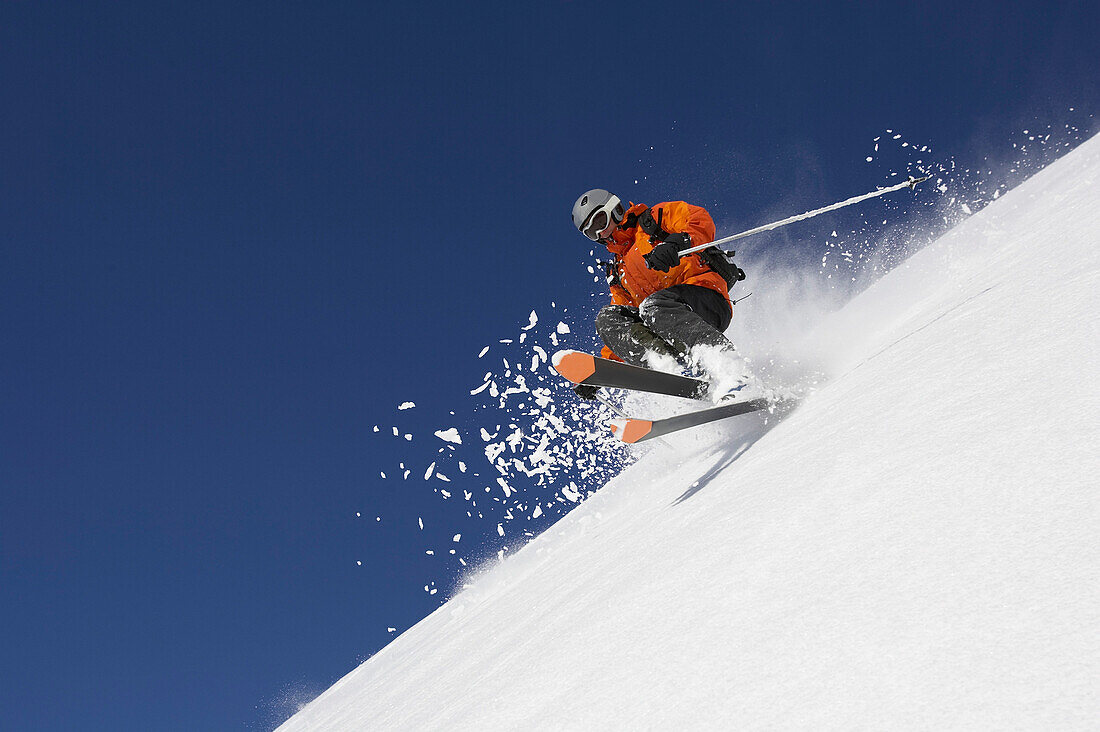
(666, 255)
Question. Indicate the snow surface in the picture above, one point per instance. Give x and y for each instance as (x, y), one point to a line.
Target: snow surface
(916, 546)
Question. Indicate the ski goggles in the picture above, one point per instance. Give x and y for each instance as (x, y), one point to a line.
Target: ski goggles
(602, 217)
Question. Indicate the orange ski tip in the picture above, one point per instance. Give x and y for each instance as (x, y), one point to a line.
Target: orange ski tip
(574, 365)
(630, 430)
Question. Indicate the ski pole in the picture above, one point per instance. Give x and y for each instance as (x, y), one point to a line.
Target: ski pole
(910, 184)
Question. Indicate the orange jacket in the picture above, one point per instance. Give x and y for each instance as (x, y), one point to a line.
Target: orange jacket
(632, 281)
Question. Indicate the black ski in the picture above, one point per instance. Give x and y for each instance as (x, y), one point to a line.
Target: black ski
(584, 368)
(639, 430)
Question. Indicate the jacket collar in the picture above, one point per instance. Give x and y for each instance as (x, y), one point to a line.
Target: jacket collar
(622, 237)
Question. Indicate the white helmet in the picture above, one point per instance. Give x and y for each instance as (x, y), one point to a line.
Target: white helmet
(596, 212)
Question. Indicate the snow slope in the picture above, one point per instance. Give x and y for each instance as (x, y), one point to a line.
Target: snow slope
(918, 545)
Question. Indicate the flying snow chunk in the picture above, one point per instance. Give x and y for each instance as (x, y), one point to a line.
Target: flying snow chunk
(493, 450)
(966, 209)
(483, 352)
(450, 435)
(562, 328)
(533, 320)
(406, 405)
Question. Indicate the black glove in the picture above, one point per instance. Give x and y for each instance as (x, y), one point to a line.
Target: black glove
(586, 391)
(666, 255)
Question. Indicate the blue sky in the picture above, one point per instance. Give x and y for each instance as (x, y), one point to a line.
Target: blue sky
(238, 235)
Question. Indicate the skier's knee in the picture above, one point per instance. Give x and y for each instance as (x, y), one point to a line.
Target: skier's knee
(609, 320)
(659, 306)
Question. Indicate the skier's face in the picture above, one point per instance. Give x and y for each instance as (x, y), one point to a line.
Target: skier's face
(600, 225)
(603, 219)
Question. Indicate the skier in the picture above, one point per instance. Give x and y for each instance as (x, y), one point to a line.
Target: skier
(665, 310)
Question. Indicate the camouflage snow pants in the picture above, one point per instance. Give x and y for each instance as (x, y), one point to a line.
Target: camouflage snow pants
(670, 322)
